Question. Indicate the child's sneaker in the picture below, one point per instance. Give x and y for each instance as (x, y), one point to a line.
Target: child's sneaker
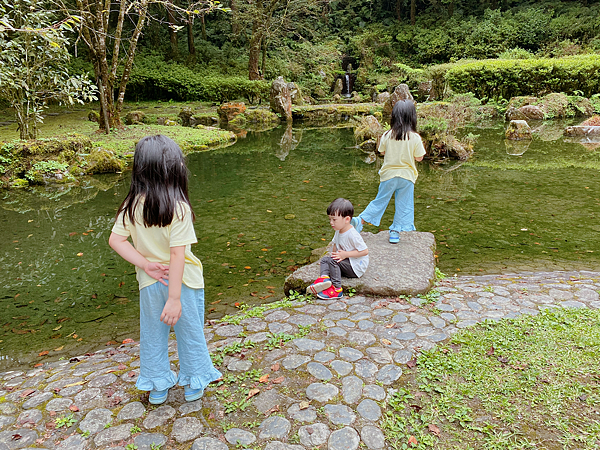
(319, 285)
(158, 397)
(192, 394)
(356, 222)
(331, 293)
(394, 237)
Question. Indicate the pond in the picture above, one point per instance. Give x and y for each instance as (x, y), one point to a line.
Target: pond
(260, 208)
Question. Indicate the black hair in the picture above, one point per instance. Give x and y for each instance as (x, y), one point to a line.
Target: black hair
(340, 207)
(404, 119)
(159, 178)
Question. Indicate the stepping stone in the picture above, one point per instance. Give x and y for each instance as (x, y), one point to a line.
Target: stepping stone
(294, 361)
(572, 304)
(7, 408)
(148, 441)
(158, 417)
(587, 295)
(374, 392)
(75, 442)
(6, 420)
(28, 438)
(319, 371)
(365, 368)
(321, 392)
(369, 410)
(96, 420)
(405, 336)
(352, 389)
(379, 355)
(267, 400)
(345, 439)
(400, 318)
(236, 436)
(257, 337)
(275, 427)
(314, 435)
(360, 316)
(277, 316)
(365, 324)
(32, 416)
(229, 330)
(403, 269)
(324, 357)
(186, 429)
(37, 400)
(308, 345)
(560, 295)
(346, 323)
(437, 322)
(131, 410)
(362, 338)
(359, 308)
(343, 368)
(336, 331)
(277, 445)
(336, 315)
(278, 328)
(372, 437)
(312, 309)
(350, 354)
(302, 415)
(239, 365)
(339, 414)
(338, 306)
(113, 434)
(59, 404)
(302, 319)
(206, 443)
(254, 324)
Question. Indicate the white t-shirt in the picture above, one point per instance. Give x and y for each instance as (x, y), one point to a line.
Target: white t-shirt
(352, 240)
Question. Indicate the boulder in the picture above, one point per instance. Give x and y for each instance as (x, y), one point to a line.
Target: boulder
(424, 90)
(514, 114)
(531, 112)
(134, 118)
(582, 131)
(518, 130)
(407, 268)
(402, 92)
(100, 160)
(356, 97)
(186, 115)
(368, 129)
(336, 98)
(281, 99)
(382, 97)
(228, 110)
(296, 94)
(338, 87)
(94, 116)
(517, 102)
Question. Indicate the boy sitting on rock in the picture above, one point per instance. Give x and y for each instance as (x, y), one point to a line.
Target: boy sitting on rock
(349, 256)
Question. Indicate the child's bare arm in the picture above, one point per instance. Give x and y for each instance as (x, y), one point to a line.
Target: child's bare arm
(123, 247)
(341, 255)
(172, 310)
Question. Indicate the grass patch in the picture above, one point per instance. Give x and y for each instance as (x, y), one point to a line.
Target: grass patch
(531, 382)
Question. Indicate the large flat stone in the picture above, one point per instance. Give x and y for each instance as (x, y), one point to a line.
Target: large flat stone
(406, 268)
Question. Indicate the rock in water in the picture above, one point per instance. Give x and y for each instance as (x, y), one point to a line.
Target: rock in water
(407, 268)
(227, 111)
(338, 87)
(281, 99)
(402, 92)
(518, 130)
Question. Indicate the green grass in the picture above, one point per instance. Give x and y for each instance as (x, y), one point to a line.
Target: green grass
(532, 382)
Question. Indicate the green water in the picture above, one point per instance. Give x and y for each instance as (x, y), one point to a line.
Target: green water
(260, 209)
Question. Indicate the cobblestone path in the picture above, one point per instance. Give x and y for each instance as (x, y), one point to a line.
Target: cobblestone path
(296, 377)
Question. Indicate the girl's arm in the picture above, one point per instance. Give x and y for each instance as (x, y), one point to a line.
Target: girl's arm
(172, 310)
(123, 247)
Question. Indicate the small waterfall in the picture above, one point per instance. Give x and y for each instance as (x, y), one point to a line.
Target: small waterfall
(347, 85)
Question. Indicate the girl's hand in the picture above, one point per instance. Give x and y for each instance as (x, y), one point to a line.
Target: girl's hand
(157, 271)
(171, 312)
(339, 256)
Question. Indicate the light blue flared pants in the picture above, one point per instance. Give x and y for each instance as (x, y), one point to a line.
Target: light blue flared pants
(404, 217)
(195, 366)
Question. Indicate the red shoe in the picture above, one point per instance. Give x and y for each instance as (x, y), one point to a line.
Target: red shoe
(319, 285)
(331, 293)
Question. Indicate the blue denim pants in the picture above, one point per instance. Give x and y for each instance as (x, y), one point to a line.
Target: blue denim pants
(195, 366)
(404, 217)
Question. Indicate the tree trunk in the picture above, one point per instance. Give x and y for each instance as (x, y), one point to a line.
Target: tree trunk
(255, 41)
(413, 11)
(190, 41)
(172, 31)
(203, 27)
(264, 58)
(399, 10)
(235, 28)
(451, 8)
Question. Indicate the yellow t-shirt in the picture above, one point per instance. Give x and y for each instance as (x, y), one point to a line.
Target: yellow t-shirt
(155, 243)
(399, 156)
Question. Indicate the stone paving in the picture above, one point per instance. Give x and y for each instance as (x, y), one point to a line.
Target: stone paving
(325, 389)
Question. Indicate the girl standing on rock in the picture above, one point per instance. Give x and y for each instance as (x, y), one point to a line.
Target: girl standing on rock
(158, 216)
(400, 146)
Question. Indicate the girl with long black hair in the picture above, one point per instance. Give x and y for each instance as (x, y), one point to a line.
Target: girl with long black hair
(158, 216)
(401, 147)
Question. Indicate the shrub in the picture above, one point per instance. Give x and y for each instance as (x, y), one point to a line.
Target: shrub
(154, 79)
(507, 78)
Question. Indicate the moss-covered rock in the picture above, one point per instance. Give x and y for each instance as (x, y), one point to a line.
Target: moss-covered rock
(135, 117)
(321, 115)
(94, 116)
(368, 129)
(100, 160)
(518, 130)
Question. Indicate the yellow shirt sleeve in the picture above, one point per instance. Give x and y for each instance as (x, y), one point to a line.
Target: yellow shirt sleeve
(119, 228)
(182, 227)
